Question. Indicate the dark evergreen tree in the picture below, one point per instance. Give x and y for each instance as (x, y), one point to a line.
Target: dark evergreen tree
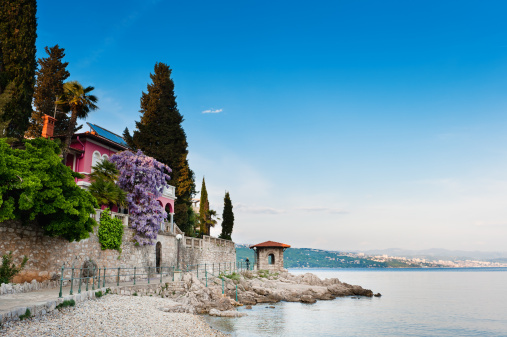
(159, 134)
(49, 89)
(203, 210)
(227, 218)
(18, 27)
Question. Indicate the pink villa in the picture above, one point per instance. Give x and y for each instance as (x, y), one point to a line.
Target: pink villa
(89, 148)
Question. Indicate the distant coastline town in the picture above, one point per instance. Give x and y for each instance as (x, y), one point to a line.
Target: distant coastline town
(317, 258)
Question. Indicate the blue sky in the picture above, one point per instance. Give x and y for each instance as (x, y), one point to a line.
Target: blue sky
(341, 125)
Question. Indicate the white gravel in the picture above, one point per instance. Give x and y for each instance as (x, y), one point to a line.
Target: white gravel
(113, 315)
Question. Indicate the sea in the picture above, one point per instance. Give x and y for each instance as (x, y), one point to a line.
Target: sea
(414, 302)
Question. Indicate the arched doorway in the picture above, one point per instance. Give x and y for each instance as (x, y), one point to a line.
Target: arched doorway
(158, 252)
(271, 259)
(168, 208)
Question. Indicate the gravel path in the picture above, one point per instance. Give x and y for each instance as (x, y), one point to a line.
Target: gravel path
(113, 315)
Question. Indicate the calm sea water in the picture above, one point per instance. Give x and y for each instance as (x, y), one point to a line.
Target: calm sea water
(414, 302)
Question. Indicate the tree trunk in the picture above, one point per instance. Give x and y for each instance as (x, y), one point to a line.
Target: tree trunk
(68, 135)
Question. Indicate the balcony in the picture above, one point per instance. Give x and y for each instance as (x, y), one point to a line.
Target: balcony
(169, 192)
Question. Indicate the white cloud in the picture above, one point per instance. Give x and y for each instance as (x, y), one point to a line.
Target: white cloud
(322, 209)
(257, 210)
(212, 111)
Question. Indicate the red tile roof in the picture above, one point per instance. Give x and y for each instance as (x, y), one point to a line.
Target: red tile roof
(271, 244)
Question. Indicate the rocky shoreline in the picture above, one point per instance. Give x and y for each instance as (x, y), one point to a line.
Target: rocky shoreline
(251, 288)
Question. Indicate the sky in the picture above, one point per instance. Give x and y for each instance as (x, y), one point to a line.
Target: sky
(340, 125)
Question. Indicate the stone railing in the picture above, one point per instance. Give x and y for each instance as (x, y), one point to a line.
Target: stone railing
(167, 228)
(219, 242)
(123, 217)
(169, 192)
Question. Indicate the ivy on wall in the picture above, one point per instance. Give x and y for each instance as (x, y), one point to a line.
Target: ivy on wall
(110, 231)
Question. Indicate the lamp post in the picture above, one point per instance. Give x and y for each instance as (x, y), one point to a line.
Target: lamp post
(178, 238)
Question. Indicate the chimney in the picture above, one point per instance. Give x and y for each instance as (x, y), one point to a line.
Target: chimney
(49, 126)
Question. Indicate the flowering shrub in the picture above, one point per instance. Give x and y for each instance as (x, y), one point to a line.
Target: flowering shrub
(143, 178)
(110, 231)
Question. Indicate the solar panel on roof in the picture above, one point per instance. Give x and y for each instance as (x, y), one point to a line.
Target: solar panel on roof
(107, 134)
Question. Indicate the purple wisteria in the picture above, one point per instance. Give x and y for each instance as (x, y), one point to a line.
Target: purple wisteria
(143, 178)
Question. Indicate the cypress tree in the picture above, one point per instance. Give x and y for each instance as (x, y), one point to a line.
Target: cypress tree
(18, 27)
(48, 90)
(203, 210)
(227, 218)
(159, 134)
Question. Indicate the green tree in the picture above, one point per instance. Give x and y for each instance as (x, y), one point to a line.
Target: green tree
(159, 134)
(5, 98)
(206, 215)
(227, 218)
(103, 186)
(80, 102)
(36, 185)
(18, 27)
(48, 88)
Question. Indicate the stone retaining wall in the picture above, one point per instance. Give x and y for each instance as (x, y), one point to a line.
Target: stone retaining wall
(47, 254)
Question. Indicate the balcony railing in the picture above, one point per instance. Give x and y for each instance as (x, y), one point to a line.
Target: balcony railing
(169, 192)
(123, 217)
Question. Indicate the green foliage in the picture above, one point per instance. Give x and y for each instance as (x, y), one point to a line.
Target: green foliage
(234, 276)
(80, 102)
(37, 186)
(108, 291)
(228, 218)
(110, 231)
(134, 294)
(26, 315)
(48, 87)
(65, 304)
(206, 214)
(159, 134)
(103, 186)
(98, 294)
(5, 98)
(18, 26)
(8, 269)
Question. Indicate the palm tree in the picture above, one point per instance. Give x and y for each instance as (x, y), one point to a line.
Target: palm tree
(80, 103)
(103, 186)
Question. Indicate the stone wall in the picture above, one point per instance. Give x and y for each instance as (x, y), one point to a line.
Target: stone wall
(263, 258)
(48, 254)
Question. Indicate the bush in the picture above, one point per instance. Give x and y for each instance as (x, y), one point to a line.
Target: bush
(98, 294)
(27, 314)
(36, 185)
(110, 231)
(8, 270)
(66, 303)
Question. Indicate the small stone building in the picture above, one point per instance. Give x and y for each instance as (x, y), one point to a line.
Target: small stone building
(269, 255)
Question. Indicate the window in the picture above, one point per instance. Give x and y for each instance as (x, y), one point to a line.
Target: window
(96, 159)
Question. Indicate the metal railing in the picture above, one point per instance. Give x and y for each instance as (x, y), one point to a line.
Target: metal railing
(101, 277)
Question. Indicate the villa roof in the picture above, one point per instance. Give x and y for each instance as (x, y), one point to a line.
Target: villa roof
(270, 244)
(107, 134)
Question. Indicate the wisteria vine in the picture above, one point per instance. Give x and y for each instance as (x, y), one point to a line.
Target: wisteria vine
(143, 178)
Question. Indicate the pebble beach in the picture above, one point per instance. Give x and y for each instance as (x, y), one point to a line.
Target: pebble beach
(113, 315)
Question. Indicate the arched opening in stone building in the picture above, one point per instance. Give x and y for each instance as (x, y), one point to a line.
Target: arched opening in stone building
(271, 259)
(158, 252)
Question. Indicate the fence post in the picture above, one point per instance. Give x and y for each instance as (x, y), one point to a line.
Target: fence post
(197, 271)
(161, 270)
(93, 279)
(72, 281)
(87, 278)
(80, 280)
(61, 284)
(98, 283)
(223, 291)
(173, 273)
(206, 275)
(104, 277)
(134, 275)
(149, 274)
(236, 292)
(118, 277)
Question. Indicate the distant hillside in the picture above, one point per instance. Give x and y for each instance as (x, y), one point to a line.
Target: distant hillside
(316, 258)
(441, 254)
